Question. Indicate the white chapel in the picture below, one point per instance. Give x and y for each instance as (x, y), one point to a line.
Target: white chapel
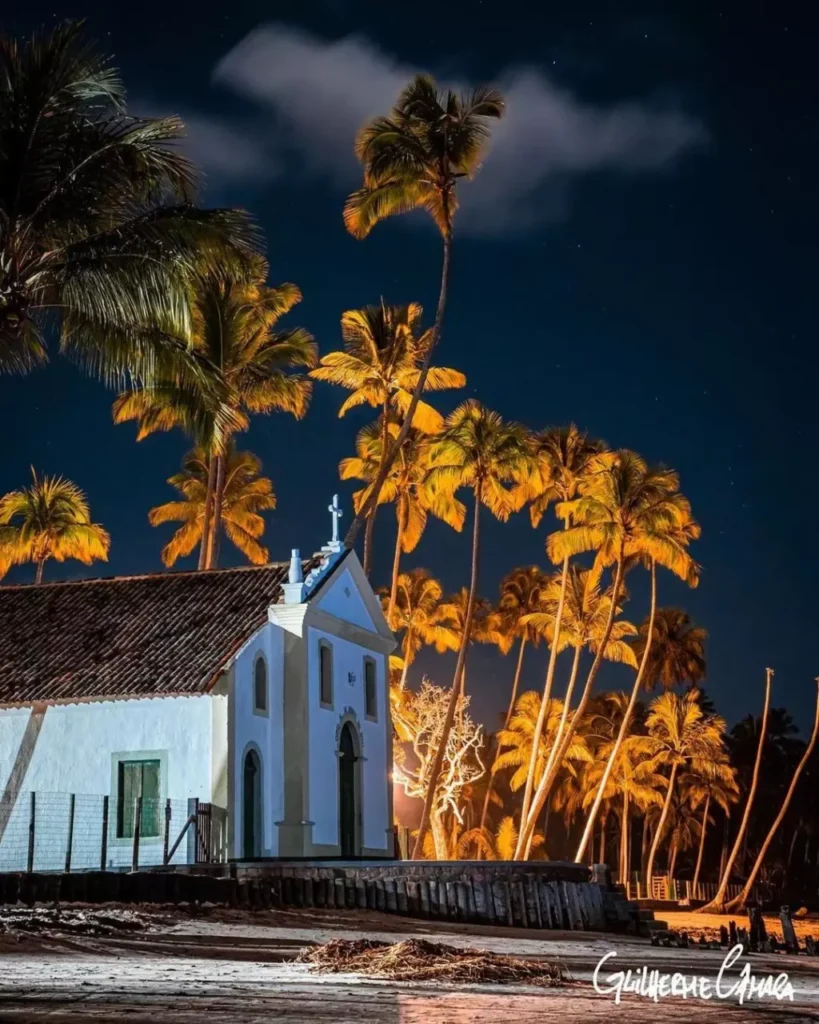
(261, 691)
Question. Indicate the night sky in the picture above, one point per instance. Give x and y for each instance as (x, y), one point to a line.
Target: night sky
(639, 256)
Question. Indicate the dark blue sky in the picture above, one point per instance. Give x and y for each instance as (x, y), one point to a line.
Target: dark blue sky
(640, 259)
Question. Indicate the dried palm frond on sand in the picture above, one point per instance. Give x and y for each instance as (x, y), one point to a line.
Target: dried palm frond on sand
(418, 960)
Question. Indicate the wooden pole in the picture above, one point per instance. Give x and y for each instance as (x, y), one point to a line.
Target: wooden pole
(32, 816)
(166, 839)
(104, 837)
(70, 842)
(137, 826)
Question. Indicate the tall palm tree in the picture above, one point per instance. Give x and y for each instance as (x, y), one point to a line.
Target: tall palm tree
(478, 450)
(718, 902)
(413, 159)
(380, 365)
(626, 512)
(484, 627)
(679, 737)
(99, 234)
(249, 371)
(714, 782)
(498, 845)
(49, 519)
(563, 457)
(739, 901)
(416, 613)
(246, 495)
(405, 486)
(677, 654)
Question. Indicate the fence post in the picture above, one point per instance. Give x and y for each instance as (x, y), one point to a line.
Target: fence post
(70, 832)
(104, 837)
(137, 827)
(32, 815)
(166, 837)
(193, 833)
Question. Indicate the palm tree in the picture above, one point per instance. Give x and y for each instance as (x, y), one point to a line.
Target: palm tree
(563, 456)
(626, 512)
(714, 782)
(679, 737)
(246, 495)
(718, 902)
(416, 612)
(739, 901)
(99, 231)
(405, 486)
(380, 366)
(49, 519)
(478, 450)
(485, 627)
(249, 364)
(413, 159)
(677, 654)
(499, 845)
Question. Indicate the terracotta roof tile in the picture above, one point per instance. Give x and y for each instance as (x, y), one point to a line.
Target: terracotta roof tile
(130, 636)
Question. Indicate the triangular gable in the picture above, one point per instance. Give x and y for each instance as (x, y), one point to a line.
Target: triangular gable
(348, 596)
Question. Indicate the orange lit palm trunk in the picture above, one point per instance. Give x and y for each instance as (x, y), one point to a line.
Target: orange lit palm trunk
(739, 902)
(704, 826)
(435, 334)
(718, 902)
(559, 751)
(624, 725)
(216, 525)
(658, 835)
(491, 783)
(396, 558)
(457, 681)
(624, 839)
(38, 575)
(373, 510)
(206, 514)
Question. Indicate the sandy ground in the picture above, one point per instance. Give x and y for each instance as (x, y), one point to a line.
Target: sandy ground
(235, 968)
(687, 920)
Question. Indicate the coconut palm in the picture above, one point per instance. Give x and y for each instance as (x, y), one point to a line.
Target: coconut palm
(684, 831)
(49, 519)
(99, 232)
(484, 628)
(680, 737)
(416, 613)
(246, 494)
(413, 159)
(249, 371)
(714, 782)
(677, 655)
(405, 486)
(479, 450)
(718, 902)
(563, 456)
(380, 366)
(626, 512)
(739, 901)
(498, 845)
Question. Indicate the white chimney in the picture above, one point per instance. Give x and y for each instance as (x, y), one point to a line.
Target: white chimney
(294, 588)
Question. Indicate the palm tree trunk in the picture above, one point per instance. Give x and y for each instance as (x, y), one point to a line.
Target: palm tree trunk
(624, 840)
(204, 543)
(559, 750)
(723, 856)
(544, 708)
(644, 847)
(673, 862)
(435, 333)
(373, 509)
(216, 525)
(457, 679)
(696, 879)
(438, 836)
(739, 902)
(396, 558)
(38, 575)
(624, 725)
(491, 783)
(658, 835)
(718, 902)
(791, 848)
(407, 660)
(603, 822)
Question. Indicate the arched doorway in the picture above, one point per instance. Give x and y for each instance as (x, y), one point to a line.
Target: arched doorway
(252, 806)
(348, 792)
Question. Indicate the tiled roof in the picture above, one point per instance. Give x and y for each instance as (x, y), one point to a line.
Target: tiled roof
(130, 636)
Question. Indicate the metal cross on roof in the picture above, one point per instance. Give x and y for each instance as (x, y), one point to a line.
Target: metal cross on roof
(336, 513)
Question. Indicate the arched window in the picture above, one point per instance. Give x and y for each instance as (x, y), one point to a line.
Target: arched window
(260, 686)
(370, 693)
(325, 674)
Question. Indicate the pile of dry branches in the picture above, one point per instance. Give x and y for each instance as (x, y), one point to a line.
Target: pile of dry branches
(417, 960)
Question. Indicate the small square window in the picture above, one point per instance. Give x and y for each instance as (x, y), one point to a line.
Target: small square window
(260, 686)
(370, 690)
(325, 674)
(137, 779)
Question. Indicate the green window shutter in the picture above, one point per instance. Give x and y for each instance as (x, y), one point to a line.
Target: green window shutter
(135, 779)
(149, 825)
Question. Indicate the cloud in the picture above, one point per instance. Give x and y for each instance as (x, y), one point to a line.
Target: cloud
(316, 93)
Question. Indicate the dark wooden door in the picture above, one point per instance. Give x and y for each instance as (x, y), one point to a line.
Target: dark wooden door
(347, 792)
(251, 806)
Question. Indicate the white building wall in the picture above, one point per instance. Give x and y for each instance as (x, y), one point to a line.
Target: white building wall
(323, 724)
(264, 732)
(74, 753)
